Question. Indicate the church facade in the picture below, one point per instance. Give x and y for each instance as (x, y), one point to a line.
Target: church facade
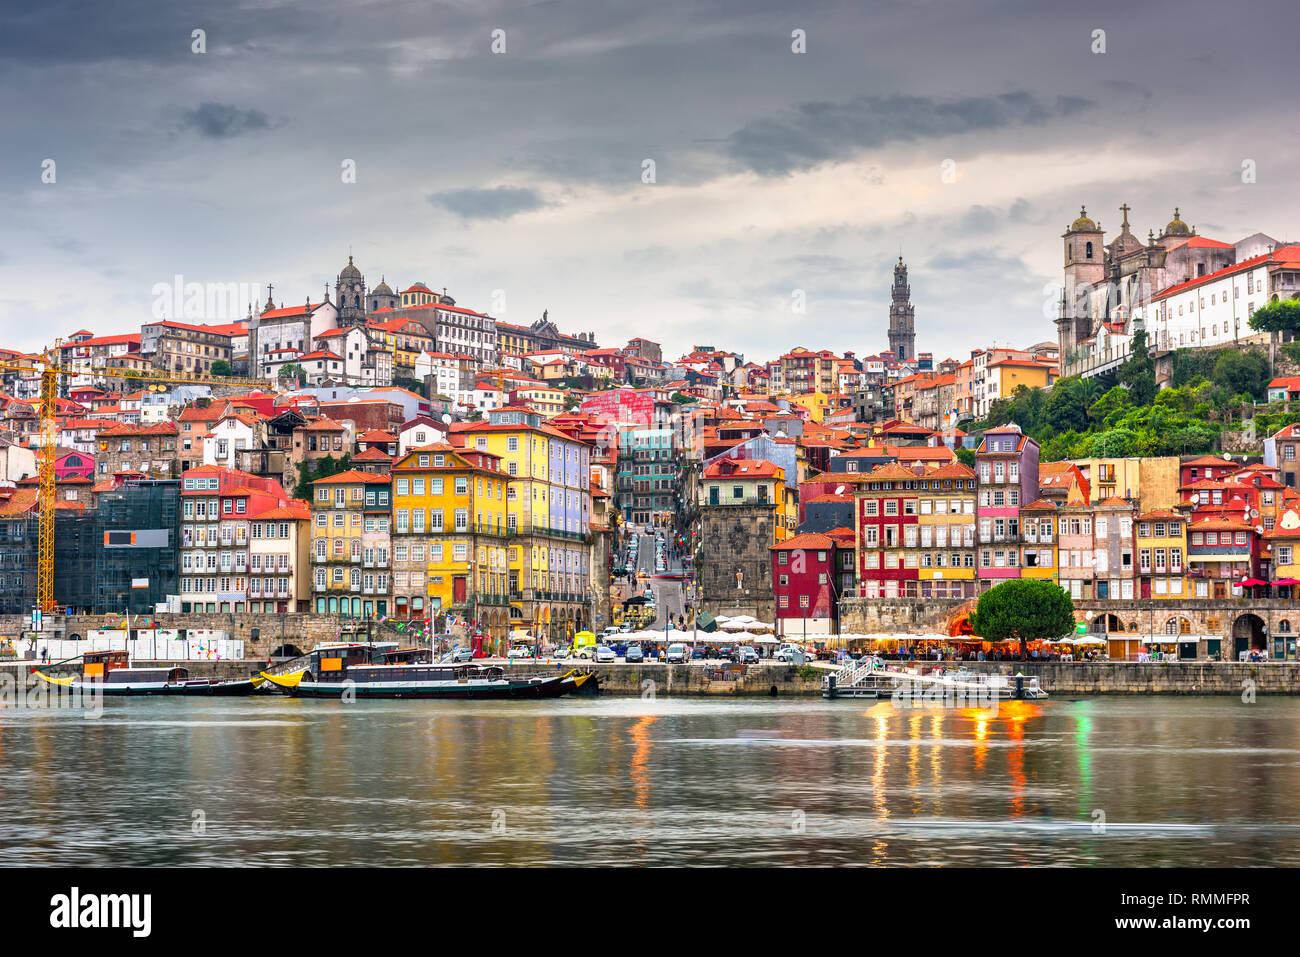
(1108, 287)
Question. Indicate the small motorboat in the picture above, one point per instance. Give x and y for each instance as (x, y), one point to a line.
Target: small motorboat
(111, 673)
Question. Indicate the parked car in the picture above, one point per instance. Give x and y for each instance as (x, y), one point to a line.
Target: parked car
(699, 654)
(746, 655)
(788, 652)
(605, 655)
(565, 651)
(725, 654)
(520, 651)
(611, 630)
(460, 655)
(676, 654)
(625, 627)
(633, 654)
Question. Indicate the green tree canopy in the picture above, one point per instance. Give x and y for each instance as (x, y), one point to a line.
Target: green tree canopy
(1067, 404)
(1282, 315)
(221, 367)
(1138, 373)
(291, 370)
(1024, 609)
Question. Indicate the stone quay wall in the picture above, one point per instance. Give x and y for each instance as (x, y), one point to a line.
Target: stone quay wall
(1061, 679)
(303, 631)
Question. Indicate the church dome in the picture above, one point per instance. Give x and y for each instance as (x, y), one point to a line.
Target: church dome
(1177, 227)
(350, 271)
(382, 289)
(1083, 224)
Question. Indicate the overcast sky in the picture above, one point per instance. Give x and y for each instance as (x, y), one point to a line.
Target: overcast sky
(522, 172)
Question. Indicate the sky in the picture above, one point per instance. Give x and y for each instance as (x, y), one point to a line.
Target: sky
(785, 185)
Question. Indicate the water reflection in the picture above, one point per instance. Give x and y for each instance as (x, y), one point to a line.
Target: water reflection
(1194, 781)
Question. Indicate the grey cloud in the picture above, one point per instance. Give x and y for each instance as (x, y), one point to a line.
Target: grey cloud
(497, 202)
(223, 121)
(823, 131)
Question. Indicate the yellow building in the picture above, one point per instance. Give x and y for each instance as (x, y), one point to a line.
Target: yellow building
(449, 536)
(548, 518)
(1038, 540)
(946, 532)
(817, 403)
(351, 538)
(1162, 554)
(546, 399)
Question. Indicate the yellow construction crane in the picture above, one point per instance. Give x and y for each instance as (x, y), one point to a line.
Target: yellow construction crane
(49, 408)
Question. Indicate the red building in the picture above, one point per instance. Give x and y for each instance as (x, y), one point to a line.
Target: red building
(1205, 467)
(804, 583)
(886, 521)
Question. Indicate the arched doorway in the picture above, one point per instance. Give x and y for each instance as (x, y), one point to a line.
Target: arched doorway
(285, 651)
(1105, 625)
(1249, 634)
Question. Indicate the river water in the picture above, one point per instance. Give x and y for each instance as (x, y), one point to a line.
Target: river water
(1131, 781)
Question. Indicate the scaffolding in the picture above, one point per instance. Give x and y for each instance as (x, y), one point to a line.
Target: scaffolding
(137, 542)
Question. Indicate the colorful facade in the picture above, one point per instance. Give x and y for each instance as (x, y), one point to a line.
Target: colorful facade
(450, 536)
(351, 544)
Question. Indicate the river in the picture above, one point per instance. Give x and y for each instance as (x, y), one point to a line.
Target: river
(1119, 781)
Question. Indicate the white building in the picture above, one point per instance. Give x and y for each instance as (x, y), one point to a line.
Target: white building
(418, 432)
(1212, 310)
(229, 434)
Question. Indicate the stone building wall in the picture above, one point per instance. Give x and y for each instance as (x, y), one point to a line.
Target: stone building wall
(735, 539)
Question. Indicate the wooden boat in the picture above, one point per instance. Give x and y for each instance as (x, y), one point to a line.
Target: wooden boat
(111, 673)
(356, 670)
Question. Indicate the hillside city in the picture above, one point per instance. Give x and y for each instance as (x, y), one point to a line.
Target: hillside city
(387, 454)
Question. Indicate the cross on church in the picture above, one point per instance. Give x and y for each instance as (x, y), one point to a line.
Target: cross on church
(1125, 209)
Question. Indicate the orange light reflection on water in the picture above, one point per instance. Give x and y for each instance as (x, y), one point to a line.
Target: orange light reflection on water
(1016, 713)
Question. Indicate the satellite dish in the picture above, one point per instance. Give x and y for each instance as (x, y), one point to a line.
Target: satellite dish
(446, 417)
(1254, 513)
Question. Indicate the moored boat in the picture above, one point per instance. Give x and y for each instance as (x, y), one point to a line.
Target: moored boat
(111, 673)
(352, 670)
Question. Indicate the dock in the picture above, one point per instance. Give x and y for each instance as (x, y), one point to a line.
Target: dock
(872, 678)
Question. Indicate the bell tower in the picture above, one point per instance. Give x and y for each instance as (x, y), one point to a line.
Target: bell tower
(902, 316)
(1083, 296)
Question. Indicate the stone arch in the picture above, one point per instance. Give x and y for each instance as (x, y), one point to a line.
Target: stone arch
(1105, 624)
(958, 622)
(285, 651)
(1249, 633)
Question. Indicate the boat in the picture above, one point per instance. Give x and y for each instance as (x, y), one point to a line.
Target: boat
(111, 673)
(357, 670)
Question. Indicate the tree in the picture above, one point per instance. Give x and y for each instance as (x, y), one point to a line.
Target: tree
(221, 367)
(1110, 407)
(291, 370)
(1138, 373)
(1027, 609)
(965, 456)
(1067, 405)
(1281, 315)
(325, 467)
(1242, 373)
